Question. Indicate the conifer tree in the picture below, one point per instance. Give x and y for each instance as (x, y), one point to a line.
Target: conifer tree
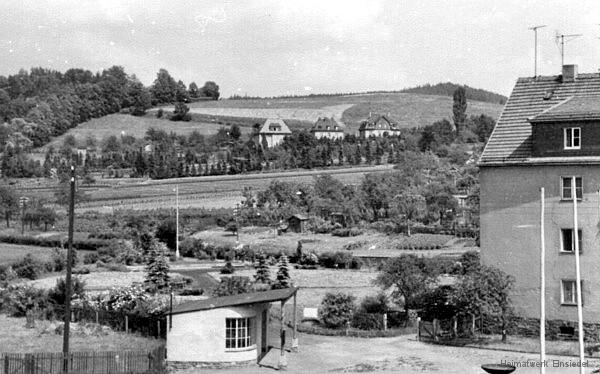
(262, 270)
(157, 267)
(283, 274)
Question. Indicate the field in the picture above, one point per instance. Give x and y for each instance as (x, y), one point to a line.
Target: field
(409, 110)
(205, 192)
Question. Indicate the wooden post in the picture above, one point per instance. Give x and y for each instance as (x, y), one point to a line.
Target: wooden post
(126, 323)
(295, 328)
(6, 364)
(385, 322)
(454, 327)
(418, 328)
(282, 365)
(158, 326)
(97, 319)
(435, 331)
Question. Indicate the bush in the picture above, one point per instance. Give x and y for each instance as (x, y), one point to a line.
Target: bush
(356, 263)
(309, 259)
(336, 309)
(59, 259)
(90, 258)
(189, 247)
(17, 300)
(56, 295)
(374, 304)
(232, 286)
(191, 292)
(159, 113)
(367, 321)
(82, 244)
(228, 268)
(29, 267)
(7, 273)
(345, 232)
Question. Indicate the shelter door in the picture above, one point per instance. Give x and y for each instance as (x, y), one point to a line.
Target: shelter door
(264, 321)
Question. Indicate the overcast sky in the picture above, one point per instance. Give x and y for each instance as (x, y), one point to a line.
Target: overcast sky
(299, 47)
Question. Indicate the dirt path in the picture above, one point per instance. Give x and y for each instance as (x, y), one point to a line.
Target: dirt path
(323, 354)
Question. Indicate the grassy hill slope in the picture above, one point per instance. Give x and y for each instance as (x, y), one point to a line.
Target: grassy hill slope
(409, 110)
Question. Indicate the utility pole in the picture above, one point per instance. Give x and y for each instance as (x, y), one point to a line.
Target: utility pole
(67, 317)
(177, 221)
(236, 212)
(535, 29)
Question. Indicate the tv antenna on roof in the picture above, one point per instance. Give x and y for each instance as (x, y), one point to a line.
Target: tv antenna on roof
(535, 29)
(561, 37)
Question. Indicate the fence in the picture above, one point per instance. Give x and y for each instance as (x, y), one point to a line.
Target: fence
(151, 326)
(122, 362)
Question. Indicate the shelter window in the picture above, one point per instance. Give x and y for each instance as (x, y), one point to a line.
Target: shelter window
(573, 138)
(239, 333)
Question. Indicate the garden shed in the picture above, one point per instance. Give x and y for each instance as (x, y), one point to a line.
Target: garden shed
(297, 223)
(224, 331)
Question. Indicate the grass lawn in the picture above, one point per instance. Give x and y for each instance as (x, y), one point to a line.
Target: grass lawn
(13, 252)
(15, 338)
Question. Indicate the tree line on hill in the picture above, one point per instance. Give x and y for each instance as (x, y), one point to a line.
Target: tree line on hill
(41, 103)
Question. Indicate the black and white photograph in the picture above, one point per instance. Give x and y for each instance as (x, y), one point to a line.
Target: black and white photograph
(299, 186)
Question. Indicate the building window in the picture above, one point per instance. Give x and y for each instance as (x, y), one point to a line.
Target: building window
(568, 292)
(567, 240)
(573, 138)
(239, 333)
(567, 187)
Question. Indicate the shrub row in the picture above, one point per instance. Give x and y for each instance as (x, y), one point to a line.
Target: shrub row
(340, 260)
(81, 244)
(419, 248)
(353, 332)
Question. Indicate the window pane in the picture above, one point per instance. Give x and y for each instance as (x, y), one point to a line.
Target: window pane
(569, 138)
(566, 188)
(579, 188)
(576, 137)
(567, 238)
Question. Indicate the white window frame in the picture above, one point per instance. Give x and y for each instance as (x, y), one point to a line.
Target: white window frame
(572, 249)
(573, 301)
(562, 188)
(574, 139)
(240, 333)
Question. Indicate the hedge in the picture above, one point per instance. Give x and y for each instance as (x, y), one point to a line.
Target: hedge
(353, 332)
(81, 244)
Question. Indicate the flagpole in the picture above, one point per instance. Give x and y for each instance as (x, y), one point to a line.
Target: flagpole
(542, 287)
(578, 271)
(177, 221)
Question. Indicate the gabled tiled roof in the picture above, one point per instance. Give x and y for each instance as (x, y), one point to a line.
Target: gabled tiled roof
(371, 123)
(327, 124)
(572, 109)
(510, 142)
(277, 122)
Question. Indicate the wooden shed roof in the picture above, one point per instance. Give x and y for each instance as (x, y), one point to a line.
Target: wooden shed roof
(235, 300)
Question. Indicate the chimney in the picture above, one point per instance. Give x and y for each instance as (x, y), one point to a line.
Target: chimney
(569, 73)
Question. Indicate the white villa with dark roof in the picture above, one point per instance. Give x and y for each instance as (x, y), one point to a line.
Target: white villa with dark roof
(547, 134)
(328, 128)
(378, 125)
(272, 133)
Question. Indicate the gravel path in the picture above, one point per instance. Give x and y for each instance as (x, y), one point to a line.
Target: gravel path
(323, 354)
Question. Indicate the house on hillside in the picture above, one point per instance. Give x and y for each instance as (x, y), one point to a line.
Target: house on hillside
(329, 128)
(547, 136)
(225, 331)
(378, 125)
(272, 133)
